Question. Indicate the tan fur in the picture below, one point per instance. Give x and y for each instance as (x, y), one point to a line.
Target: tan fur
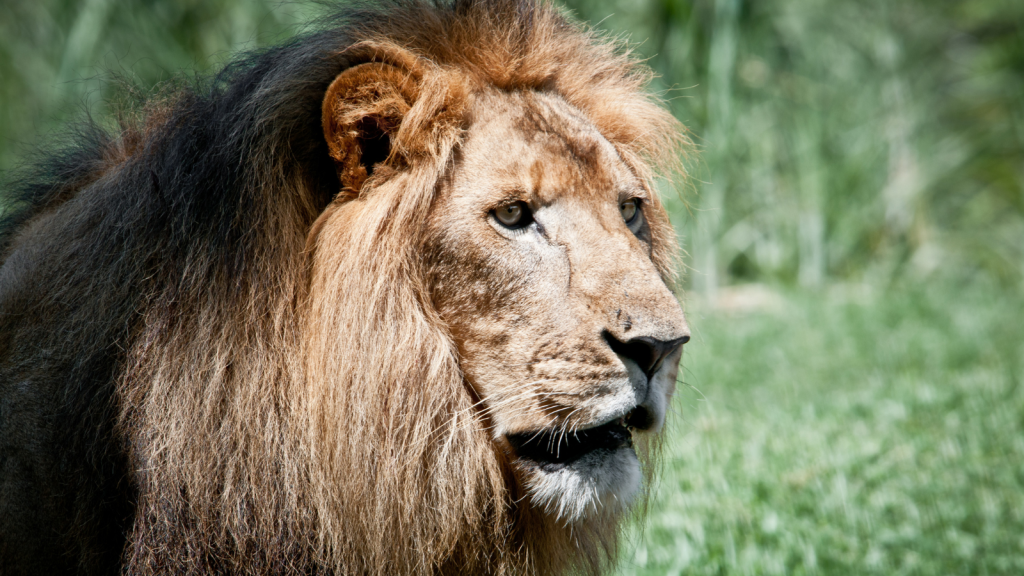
(343, 409)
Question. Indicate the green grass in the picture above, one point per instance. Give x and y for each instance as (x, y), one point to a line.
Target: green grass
(846, 435)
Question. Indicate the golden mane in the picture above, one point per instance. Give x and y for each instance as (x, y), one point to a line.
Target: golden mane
(287, 398)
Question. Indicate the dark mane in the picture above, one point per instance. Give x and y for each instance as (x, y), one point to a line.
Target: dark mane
(175, 203)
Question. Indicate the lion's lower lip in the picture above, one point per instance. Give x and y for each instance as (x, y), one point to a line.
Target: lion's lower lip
(553, 449)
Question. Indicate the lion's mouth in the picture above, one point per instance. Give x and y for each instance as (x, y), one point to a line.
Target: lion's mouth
(555, 449)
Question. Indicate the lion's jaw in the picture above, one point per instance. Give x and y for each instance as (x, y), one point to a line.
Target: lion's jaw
(551, 318)
(604, 474)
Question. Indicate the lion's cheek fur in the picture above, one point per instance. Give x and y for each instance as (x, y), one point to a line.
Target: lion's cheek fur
(374, 359)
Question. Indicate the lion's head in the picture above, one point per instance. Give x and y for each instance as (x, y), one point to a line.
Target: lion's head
(540, 263)
(392, 299)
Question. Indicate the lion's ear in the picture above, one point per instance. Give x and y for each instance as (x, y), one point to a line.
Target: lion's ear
(362, 112)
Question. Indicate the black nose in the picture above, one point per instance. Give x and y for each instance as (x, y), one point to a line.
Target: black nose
(647, 352)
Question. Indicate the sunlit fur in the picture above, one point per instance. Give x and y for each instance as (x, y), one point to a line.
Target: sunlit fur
(248, 372)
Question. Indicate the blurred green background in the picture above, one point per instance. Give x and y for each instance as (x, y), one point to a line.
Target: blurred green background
(854, 237)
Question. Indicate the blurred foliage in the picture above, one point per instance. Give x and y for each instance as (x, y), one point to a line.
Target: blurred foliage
(63, 59)
(855, 139)
(861, 140)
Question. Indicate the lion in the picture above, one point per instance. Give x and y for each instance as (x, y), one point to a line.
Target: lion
(393, 297)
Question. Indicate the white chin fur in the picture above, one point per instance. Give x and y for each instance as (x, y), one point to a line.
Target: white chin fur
(601, 480)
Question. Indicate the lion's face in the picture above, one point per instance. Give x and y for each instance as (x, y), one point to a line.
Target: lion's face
(539, 261)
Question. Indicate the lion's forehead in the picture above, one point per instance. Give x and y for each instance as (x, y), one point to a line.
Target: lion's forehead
(540, 144)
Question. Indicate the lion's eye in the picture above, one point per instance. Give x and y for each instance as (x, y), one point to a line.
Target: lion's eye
(514, 215)
(629, 209)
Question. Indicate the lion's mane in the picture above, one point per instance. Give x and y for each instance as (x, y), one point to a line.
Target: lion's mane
(241, 391)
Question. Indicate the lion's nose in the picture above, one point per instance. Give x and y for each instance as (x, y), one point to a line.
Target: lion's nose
(647, 352)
